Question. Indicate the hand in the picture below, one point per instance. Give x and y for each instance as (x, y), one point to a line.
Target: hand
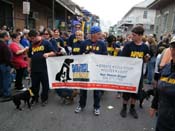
(146, 58)
(152, 112)
(45, 55)
(29, 69)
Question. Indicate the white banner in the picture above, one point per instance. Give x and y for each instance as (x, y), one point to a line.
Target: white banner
(95, 72)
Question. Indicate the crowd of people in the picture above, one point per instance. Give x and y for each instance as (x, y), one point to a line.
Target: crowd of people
(26, 52)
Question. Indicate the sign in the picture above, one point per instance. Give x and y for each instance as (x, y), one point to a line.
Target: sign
(26, 7)
(95, 72)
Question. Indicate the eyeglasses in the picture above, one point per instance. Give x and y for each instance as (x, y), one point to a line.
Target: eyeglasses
(46, 34)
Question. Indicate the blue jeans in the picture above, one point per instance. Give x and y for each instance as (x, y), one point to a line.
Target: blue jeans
(150, 67)
(5, 80)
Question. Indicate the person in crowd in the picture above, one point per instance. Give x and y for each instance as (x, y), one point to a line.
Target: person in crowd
(136, 49)
(38, 53)
(62, 46)
(65, 38)
(57, 37)
(47, 35)
(18, 60)
(5, 36)
(151, 64)
(72, 38)
(24, 41)
(5, 66)
(165, 58)
(96, 46)
(165, 95)
(78, 47)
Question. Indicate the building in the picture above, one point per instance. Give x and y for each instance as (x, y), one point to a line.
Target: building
(42, 13)
(138, 15)
(165, 16)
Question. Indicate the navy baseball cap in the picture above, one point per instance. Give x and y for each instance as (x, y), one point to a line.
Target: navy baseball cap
(95, 29)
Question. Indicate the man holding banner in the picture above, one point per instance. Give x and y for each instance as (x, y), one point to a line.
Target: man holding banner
(94, 45)
(136, 49)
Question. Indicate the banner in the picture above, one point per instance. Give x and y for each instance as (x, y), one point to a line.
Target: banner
(95, 72)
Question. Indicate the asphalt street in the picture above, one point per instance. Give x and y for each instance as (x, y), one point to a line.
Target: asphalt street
(56, 116)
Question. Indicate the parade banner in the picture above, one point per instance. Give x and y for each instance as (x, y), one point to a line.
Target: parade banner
(94, 72)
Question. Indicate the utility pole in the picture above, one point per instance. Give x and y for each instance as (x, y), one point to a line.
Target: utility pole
(53, 14)
(27, 19)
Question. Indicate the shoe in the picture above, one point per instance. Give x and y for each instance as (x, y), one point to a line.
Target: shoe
(96, 112)
(27, 78)
(123, 113)
(5, 98)
(78, 109)
(133, 113)
(23, 89)
(118, 96)
(44, 103)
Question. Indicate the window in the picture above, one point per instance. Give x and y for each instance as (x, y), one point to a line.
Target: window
(174, 25)
(145, 14)
(164, 25)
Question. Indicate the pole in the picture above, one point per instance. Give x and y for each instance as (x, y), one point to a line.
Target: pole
(27, 20)
(53, 13)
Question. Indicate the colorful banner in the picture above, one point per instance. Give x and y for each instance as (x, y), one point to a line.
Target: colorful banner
(95, 72)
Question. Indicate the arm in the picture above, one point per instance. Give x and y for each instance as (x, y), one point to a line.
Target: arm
(46, 55)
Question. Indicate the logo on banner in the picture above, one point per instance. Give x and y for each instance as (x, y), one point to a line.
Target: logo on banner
(80, 72)
(63, 74)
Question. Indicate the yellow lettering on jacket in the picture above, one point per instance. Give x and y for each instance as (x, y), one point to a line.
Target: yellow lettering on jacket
(76, 49)
(75, 40)
(168, 80)
(38, 49)
(137, 54)
(97, 48)
(65, 43)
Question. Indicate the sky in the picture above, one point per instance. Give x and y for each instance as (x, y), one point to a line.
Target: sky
(109, 11)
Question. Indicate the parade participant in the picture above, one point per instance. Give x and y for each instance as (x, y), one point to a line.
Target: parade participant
(135, 49)
(18, 60)
(5, 63)
(78, 47)
(38, 52)
(58, 39)
(72, 38)
(47, 35)
(65, 37)
(93, 45)
(164, 98)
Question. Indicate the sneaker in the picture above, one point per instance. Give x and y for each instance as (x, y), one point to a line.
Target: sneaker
(5, 98)
(23, 89)
(44, 103)
(78, 109)
(96, 112)
(133, 113)
(123, 113)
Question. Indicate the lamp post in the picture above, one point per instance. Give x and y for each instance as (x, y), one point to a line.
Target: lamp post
(53, 14)
(26, 12)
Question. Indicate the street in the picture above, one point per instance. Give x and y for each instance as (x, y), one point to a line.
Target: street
(59, 117)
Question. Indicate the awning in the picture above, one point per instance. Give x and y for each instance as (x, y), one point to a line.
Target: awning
(65, 6)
